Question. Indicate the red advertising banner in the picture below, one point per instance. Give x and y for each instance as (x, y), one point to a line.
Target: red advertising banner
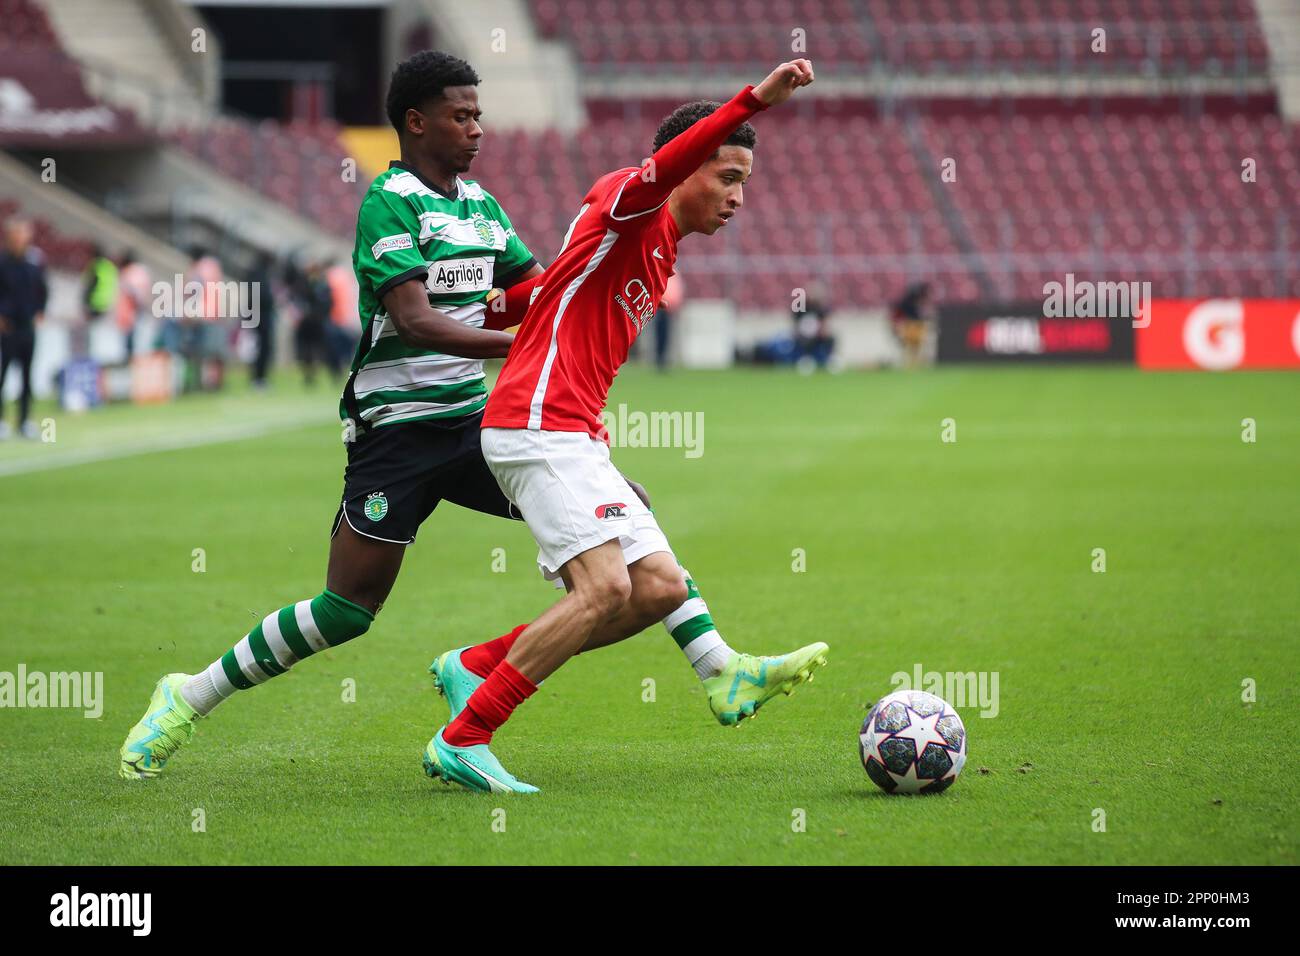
(1221, 334)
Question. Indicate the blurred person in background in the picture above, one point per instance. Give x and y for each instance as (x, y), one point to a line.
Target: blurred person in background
(311, 338)
(664, 318)
(205, 331)
(23, 294)
(813, 342)
(264, 332)
(341, 331)
(911, 317)
(99, 285)
(134, 296)
(99, 295)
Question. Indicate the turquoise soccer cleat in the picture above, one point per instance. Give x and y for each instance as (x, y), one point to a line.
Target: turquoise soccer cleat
(166, 725)
(453, 680)
(474, 768)
(748, 682)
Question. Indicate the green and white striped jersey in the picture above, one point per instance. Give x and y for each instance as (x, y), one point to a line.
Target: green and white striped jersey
(461, 246)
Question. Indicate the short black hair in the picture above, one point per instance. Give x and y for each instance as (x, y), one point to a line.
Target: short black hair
(688, 114)
(423, 77)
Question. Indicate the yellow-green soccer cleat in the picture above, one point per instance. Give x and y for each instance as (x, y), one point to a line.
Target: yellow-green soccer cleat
(748, 682)
(168, 723)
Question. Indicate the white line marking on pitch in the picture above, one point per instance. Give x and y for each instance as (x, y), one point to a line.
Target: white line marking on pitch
(210, 436)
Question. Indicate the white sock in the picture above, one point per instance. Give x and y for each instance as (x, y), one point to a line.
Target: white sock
(708, 654)
(692, 628)
(201, 693)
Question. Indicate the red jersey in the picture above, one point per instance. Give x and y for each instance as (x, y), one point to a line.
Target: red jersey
(604, 287)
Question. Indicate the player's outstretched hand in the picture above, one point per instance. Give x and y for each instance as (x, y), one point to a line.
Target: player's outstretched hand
(783, 81)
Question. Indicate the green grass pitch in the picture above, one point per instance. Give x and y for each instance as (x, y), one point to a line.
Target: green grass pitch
(1119, 691)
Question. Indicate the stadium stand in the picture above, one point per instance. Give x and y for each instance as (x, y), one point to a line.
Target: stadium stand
(296, 164)
(1145, 36)
(928, 36)
(1179, 215)
(868, 209)
(31, 52)
(873, 211)
(137, 55)
(868, 215)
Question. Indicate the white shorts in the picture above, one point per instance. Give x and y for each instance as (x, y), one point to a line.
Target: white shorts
(572, 497)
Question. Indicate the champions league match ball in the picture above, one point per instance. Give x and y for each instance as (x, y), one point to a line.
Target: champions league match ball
(912, 742)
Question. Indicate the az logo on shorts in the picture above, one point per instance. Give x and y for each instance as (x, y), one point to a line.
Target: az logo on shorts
(376, 506)
(612, 510)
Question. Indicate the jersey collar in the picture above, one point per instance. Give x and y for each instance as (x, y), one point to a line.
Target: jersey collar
(460, 187)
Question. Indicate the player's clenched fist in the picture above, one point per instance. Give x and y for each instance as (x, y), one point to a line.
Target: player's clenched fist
(783, 81)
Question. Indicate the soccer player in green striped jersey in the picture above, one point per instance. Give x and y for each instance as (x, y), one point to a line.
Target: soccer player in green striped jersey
(430, 249)
(459, 246)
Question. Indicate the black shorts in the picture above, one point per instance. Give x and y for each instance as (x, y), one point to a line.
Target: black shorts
(397, 474)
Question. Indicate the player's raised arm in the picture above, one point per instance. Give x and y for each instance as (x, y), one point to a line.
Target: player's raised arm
(421, 326)
(682, 155)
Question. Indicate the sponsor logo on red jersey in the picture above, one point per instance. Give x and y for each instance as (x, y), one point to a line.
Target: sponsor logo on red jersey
(639, 304)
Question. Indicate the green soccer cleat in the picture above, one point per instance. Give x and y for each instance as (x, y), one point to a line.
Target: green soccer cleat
(168, 723)
(474, 768)
(454, 680)
(749, 682)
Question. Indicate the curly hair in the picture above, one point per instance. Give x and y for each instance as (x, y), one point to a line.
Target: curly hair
(423, 77)
(688, 114)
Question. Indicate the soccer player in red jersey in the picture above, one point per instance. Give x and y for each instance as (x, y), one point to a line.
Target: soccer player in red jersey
(543, 439)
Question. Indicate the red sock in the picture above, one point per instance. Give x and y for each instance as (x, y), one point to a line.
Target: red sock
(482, 659)
(489, 707)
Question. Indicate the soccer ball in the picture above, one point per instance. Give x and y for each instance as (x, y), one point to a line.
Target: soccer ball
(912, 742)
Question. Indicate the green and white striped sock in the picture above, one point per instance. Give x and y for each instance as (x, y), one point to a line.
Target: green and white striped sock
(283, 638)
(693, 629)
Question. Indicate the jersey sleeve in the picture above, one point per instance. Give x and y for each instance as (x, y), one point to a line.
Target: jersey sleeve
(508, 308)
(515, 259)
(388, 252)
(648, 188)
